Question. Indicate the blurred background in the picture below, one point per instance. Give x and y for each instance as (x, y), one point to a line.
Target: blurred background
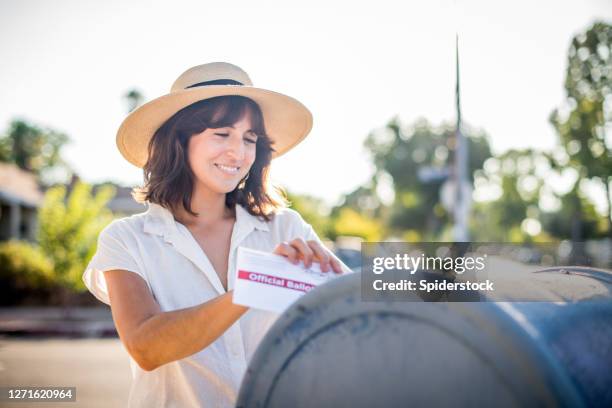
(438, 121)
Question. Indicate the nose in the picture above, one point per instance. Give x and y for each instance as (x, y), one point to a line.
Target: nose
(236, 148)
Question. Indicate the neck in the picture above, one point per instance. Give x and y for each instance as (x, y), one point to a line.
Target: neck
(209, 206)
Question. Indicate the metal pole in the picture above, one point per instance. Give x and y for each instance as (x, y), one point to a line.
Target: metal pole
(463, 203)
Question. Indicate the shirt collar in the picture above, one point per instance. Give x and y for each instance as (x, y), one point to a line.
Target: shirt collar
(243, 217)
(160, 221)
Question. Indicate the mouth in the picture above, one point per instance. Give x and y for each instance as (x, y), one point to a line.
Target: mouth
(227, 169)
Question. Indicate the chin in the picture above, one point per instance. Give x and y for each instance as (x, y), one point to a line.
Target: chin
(223, 189)
(218, 187)
(229, 189)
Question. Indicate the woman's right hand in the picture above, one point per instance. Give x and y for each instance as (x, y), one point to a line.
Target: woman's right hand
(308, 251)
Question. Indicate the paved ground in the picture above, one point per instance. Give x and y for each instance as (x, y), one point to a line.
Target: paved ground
(46, 322)
(98, 368)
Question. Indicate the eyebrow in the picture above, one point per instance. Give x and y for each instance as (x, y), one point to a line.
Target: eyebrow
(249, 130)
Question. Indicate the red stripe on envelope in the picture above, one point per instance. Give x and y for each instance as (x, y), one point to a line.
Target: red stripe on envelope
(274, 281)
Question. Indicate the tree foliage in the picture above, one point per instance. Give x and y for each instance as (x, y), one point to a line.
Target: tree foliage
(402, 152)
(133, 99)
(577, 219)
(313, 210)
(349, 222)
(68, 229)
(518, 177)
(33, 148)
(24, 271)
(583, 124)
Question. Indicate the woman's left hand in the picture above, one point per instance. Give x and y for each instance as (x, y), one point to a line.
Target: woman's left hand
(308, 251)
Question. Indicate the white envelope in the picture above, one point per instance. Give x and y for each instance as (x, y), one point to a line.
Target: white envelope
(270, 282)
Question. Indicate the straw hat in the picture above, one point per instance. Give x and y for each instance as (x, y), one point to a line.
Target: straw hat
(287, 120)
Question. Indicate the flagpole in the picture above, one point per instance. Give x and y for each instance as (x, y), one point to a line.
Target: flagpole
(463, 199)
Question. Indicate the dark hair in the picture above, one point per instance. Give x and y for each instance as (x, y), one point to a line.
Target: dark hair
(168, 178)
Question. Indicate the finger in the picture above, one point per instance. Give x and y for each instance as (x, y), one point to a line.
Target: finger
(286, 250)
(320, 253)
(304, 251)
(336, 266)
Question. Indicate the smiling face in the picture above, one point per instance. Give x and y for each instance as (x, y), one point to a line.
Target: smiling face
(206, 149)
(221, 157)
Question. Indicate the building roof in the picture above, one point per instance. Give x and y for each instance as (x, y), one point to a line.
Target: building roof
(124, 203)
(19, 186)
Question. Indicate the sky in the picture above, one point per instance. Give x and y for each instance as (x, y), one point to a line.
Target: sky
(66, 64)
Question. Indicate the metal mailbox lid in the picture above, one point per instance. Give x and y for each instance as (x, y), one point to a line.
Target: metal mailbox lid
(330, 349)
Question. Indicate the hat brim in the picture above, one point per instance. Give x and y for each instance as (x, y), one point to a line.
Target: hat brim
(286, 119)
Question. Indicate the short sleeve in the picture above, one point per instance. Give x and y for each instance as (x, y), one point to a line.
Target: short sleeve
(112, 253)
(309, 234)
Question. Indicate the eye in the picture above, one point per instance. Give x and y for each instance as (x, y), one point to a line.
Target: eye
(222, 134)
(252, 138)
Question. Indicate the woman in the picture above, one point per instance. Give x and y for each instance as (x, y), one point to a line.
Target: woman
(168, 273)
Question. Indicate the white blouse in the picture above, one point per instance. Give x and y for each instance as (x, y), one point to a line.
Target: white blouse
(165, 255)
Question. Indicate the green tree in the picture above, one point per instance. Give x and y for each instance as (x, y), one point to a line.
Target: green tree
(401, 152)
(518, 176)
(360, 214)
(583, 123)
(349, 222)
(313, 210)
(365, 200)
(25, 273)
(577, 219)
(133, 99)
(68, 230)
(33, 148)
